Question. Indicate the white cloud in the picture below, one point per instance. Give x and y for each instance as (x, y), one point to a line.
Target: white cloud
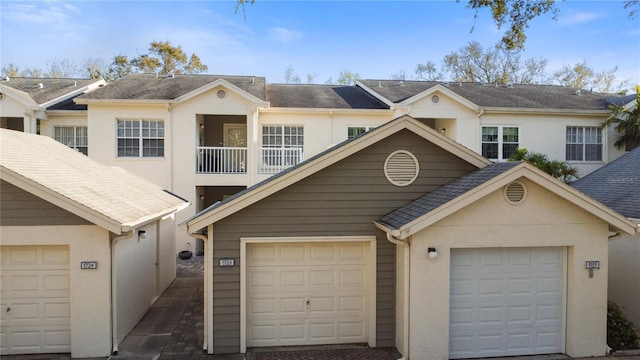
(579, 18)
(282, 35)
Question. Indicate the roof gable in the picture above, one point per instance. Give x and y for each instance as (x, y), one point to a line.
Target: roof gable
(111, 198)
(616, 184)
(432, 207)
(48, 91)
(331, 156)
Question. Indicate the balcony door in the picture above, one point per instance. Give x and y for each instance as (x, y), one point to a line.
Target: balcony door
(235, 138)
(235, 135)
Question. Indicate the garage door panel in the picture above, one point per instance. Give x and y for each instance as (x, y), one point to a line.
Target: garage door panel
(506, 302)
(314, 293)
(36, 288)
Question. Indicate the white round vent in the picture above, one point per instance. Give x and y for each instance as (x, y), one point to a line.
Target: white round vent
(435, 99)
(515, 193)
(1, 96)
(401, 168)
(221, 94)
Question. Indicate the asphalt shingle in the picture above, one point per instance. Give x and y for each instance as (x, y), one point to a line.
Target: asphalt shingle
(440, 196)
(616, 184)
(43, 90)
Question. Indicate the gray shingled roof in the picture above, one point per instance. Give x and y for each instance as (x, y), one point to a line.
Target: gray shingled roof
(322, 96)
(51, 88)
(442, 195)
(163, 87)
(118, 195)
(490, 95)
(616, 184)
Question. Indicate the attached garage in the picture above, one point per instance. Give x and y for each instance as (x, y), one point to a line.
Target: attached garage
(34, 296)
(506, 301)
(307, 293)
(73, 231)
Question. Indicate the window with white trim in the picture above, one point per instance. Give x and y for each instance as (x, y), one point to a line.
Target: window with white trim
(74, 137)
(499, 142)
(282, 145)
(353, 131)
(140, 138)
(584, 143)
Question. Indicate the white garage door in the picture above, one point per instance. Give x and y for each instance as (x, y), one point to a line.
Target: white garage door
(34, 299)
(506, 302)
(306, 293)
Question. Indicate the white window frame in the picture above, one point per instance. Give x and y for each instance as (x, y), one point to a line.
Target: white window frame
(74, 139)
(137, 134)
(277, 160)
(500, 141)
(358, 127)
(580, 138)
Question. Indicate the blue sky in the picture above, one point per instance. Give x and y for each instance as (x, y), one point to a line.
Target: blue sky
(375, 39)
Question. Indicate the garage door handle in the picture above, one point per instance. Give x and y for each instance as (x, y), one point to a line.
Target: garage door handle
(308, 302)
(8, 309)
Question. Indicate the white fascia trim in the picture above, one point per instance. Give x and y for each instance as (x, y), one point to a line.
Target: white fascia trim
(327, 110)
(338, 154)
(61, 201)
(375, 94)
(545, 111)
(82, 90)
(371, 268)
(443, 90)
(223, 83)
(20, 96)
(124, 101)
(67, 112)
(392, 127)
(529, 172)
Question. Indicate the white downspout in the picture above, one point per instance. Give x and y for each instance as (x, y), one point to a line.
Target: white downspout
(114, 303)
(207, 285)
(405, 247)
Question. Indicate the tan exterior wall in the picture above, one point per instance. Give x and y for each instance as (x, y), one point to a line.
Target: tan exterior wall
(90, 289)
(542, 220)
(624, 275)
(46, 126)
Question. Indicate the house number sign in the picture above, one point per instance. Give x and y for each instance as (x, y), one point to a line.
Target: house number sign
(591, 265)
(227, 262)
(88, 265)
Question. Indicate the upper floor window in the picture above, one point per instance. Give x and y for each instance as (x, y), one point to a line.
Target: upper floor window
(140, 138)
(283, 136)
(499, 142)
(74, 137)
(353, 131)
(584, 143)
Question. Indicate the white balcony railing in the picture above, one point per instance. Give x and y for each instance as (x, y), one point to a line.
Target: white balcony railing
(233, 160)
(274, 160)
(221, 160)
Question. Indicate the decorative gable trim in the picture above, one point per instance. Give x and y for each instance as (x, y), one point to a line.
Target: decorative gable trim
(313, 165)
(225, 84)
(523, 170)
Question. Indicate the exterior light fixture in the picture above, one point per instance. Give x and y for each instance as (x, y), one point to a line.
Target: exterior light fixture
(432, 252)
(142, 234)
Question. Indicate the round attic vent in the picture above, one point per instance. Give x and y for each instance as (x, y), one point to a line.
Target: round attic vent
(515, 193)
(401, 168)
(435, 99)
(1, 96)
(221, 94)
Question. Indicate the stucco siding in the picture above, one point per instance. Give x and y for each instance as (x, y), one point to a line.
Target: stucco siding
(342, 200)
(21, 208)
(543, 220)
(624, 273)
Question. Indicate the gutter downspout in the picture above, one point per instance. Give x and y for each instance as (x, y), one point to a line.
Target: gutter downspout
(114, 304)
(207, 287)
(406, 290)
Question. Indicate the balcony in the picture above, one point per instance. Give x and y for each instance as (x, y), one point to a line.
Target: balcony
(233, 160)
(221, 160)
(273, 160)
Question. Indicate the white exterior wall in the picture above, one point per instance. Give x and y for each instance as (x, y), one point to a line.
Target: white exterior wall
(10, 107)
(76, 119)
(90, 289)
(136, 276)
(542, 220)
(103, 140)
(624, 275)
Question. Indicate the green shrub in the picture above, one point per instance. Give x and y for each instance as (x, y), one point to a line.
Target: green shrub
(621, 332)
